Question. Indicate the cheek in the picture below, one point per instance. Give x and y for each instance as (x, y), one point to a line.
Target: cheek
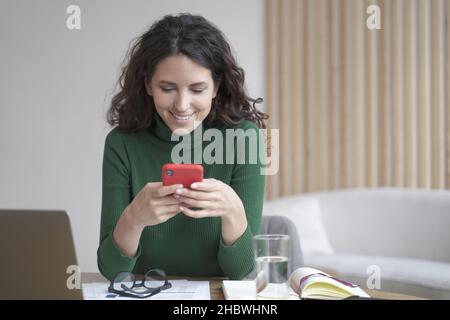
(162, 101)
(202, 102)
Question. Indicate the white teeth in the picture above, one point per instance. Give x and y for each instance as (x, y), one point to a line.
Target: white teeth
(182, 118)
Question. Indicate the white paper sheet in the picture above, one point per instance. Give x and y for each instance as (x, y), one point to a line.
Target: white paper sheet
(246, 290)
(181, 290)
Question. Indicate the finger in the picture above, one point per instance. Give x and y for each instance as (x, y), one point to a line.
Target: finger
(195, 213)
(167, 216)
(167, 201)
(196, 203)
(199, 195)
(163, 191)
(207, 185)
(185, 205)
(169, 209)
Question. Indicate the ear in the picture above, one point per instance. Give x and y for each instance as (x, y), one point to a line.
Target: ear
(216, 89)
(148, 87)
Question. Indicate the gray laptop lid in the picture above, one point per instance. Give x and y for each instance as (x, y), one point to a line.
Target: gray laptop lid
(36, 248)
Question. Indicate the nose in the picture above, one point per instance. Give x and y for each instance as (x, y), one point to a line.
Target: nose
(182, 103)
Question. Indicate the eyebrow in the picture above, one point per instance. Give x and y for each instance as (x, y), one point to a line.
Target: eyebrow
(174, 84)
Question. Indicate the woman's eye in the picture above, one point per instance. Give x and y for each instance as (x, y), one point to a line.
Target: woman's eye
(196, 91)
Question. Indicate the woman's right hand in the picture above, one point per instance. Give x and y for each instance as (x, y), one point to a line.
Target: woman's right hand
(153, 205)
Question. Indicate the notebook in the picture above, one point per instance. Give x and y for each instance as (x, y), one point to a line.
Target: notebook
(304, 283)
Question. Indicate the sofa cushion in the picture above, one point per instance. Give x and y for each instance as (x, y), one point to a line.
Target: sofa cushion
(305, 214)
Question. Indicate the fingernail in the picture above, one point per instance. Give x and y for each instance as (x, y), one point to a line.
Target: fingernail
(176, 196)
(193, 185)
(181, 208)
(179, 191)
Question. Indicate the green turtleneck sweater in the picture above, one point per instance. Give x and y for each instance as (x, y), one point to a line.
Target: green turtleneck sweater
(181, 246)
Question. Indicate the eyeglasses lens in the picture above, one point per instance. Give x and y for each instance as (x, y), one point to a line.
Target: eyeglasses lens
(123, 281)
(154, 279)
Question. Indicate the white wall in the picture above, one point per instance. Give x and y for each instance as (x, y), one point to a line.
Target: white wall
(56, 85)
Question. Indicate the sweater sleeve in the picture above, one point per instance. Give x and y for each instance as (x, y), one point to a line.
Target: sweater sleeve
(237, 260)
(115, 198)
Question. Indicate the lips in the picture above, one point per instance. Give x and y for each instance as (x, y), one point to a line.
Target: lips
(182, 117)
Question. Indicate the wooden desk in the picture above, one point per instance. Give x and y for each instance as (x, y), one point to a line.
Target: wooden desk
(391, 295)
(215, 287)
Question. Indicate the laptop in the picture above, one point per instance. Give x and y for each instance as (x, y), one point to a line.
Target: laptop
(37, 250)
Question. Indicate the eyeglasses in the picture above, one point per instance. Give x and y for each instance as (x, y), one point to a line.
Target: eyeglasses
(126, 284)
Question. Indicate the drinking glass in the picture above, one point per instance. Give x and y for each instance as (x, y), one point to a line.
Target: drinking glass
(272, 265)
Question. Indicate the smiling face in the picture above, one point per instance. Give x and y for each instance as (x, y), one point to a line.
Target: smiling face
(182, 91)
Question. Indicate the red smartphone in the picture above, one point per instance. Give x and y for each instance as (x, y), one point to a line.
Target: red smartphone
(184, 174)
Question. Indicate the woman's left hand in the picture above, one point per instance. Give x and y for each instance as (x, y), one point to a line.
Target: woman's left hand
(213, 197)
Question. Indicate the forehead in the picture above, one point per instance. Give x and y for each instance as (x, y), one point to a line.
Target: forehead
(181, 69)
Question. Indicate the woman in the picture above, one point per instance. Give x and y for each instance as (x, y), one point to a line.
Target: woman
(180, 74)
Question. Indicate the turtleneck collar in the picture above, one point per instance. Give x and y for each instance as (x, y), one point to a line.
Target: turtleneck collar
(164, 133)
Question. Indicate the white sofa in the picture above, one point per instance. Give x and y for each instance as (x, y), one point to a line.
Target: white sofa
(395, 240)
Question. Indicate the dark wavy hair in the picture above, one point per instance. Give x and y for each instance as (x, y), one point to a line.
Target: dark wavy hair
(132, 109)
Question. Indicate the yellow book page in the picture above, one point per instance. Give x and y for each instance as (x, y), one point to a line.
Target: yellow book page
(323, 289)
